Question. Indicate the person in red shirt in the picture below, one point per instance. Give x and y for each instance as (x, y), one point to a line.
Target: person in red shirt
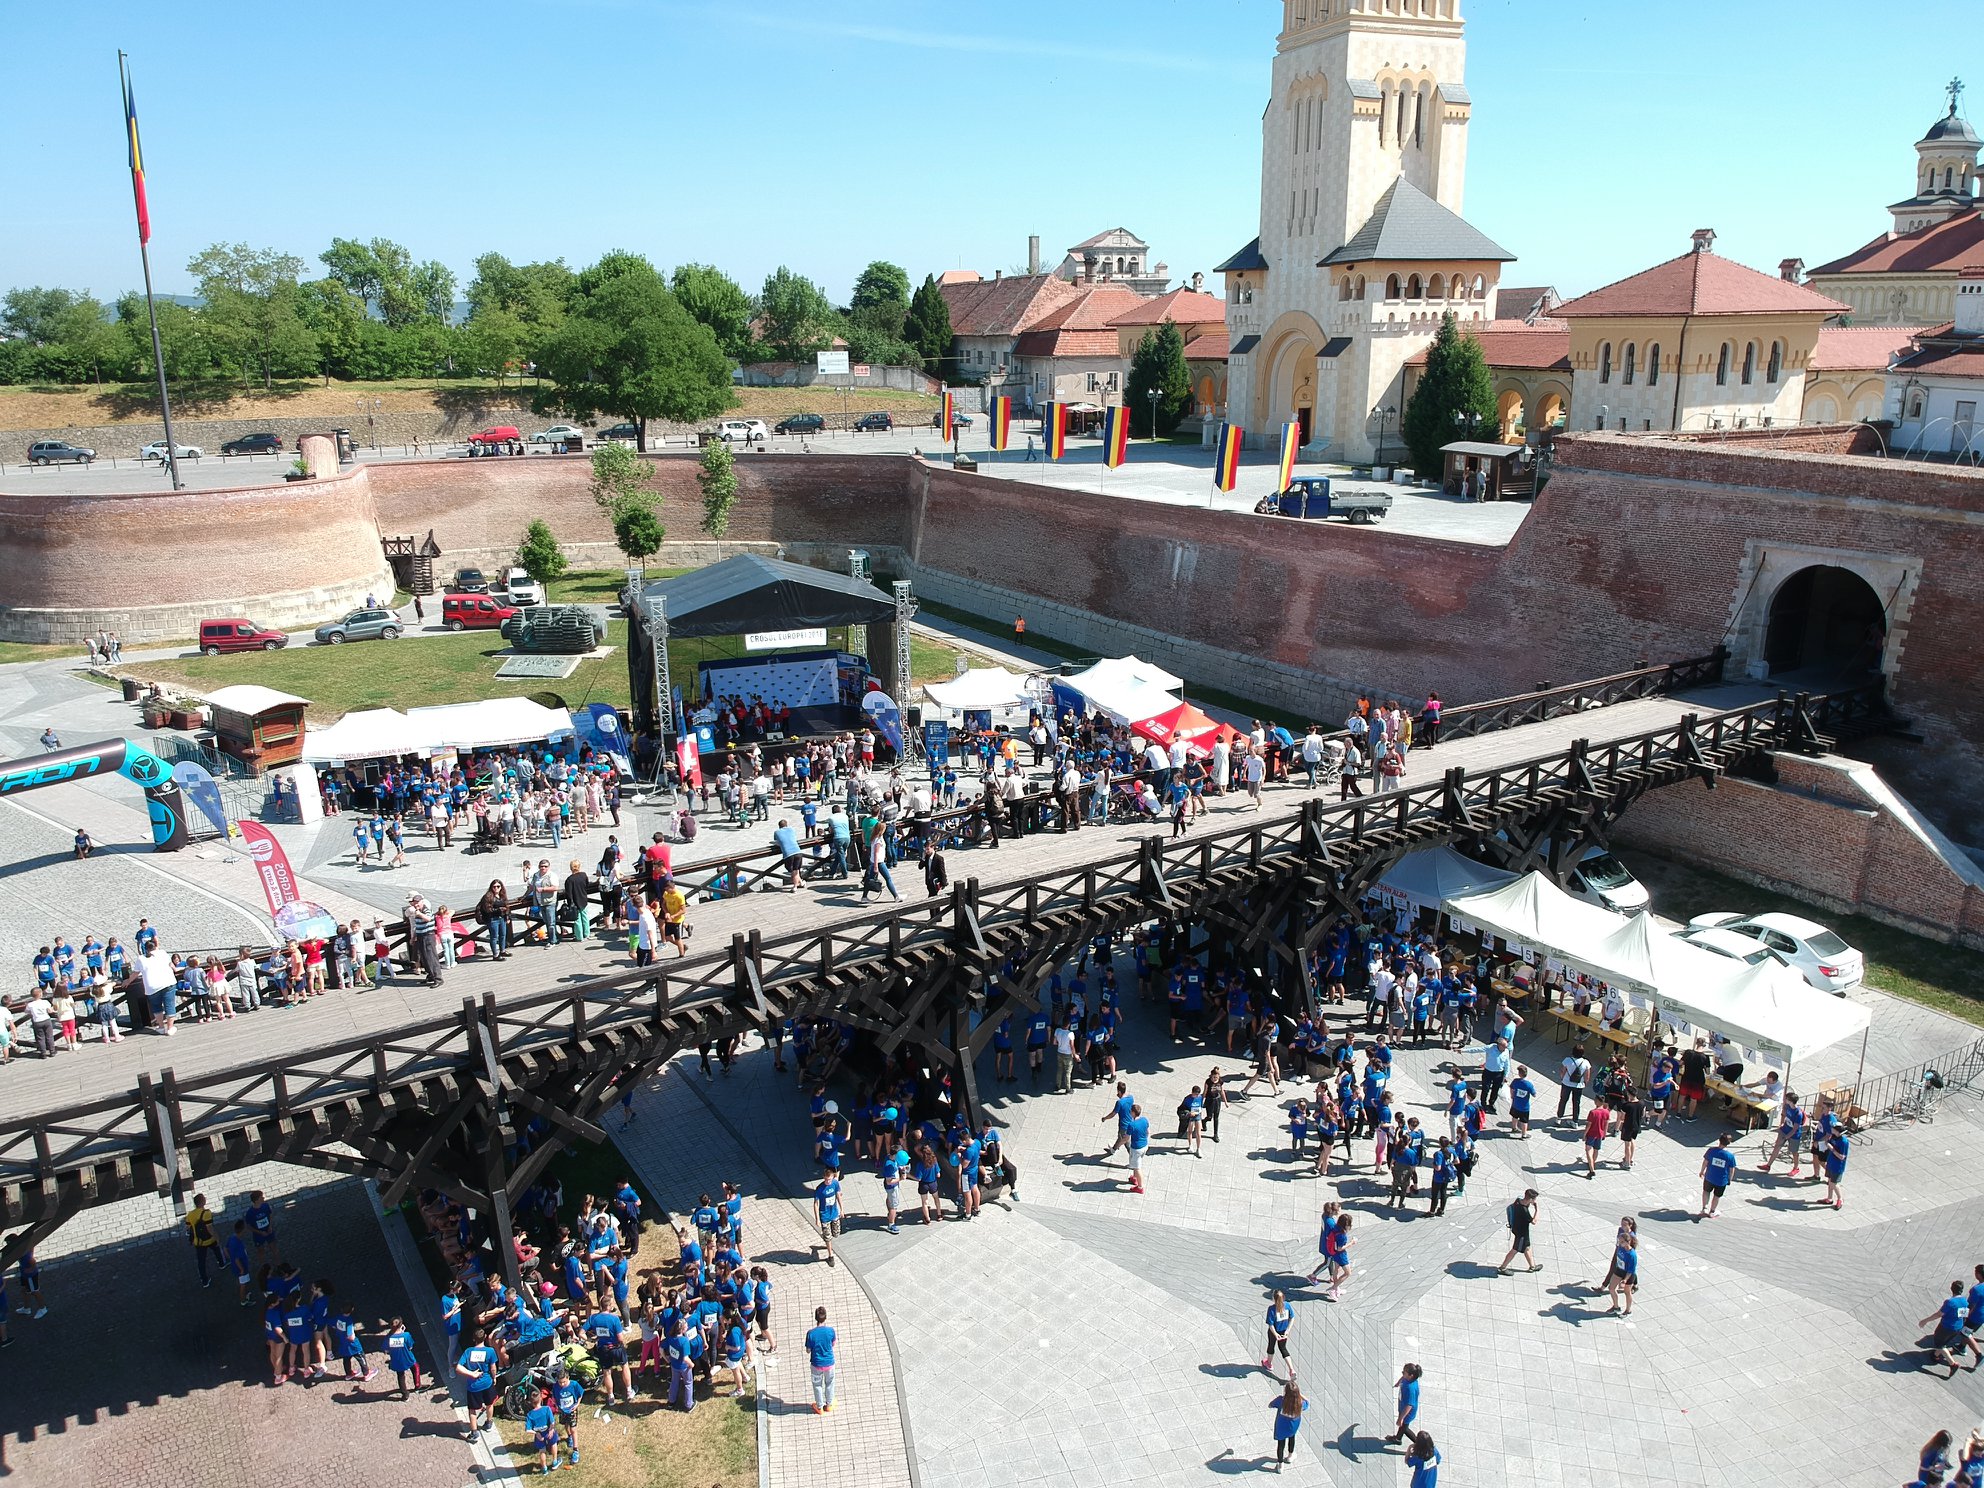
(1597, 1122)
(313, 966)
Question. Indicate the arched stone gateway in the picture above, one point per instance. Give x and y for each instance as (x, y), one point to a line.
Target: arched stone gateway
(1289, 389)
(1824, 621)
(1807, 617)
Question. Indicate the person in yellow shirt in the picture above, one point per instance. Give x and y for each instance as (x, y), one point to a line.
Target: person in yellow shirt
(675, 918)
(199, 1224)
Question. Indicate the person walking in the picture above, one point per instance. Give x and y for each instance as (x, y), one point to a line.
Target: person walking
(1574, 1073)
(1064, 1059)
(1215, 1101)
(1790, 1133)
(1336, 1255)
(1288, 1412)
(1718, 1167)
(1624, 1279)
(820, 1355)
(1597, 1125)
(200, 1230)
(1522, 1217)
(1424, 1460)
(1408, 1401)
(1138, 1135)
(1280, 1318)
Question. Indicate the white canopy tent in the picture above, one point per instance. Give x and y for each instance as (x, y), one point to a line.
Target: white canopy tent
(1115, 671)
(980, 689)
(1428, 879)
(370, 733)
(489, 724)
(1533, 911)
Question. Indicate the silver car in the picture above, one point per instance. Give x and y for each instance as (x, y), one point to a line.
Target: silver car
(361, 625)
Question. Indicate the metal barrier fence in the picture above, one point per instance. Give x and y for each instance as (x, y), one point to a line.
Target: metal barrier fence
(1898, 1097)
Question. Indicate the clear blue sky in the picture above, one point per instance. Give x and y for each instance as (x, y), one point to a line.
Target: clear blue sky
(750, 133)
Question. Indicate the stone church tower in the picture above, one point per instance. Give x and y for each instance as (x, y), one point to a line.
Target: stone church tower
(1361, 246)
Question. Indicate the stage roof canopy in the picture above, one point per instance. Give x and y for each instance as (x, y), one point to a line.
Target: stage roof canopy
(753, 594)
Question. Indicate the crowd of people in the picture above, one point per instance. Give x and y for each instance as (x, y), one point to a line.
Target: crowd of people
(497, 798)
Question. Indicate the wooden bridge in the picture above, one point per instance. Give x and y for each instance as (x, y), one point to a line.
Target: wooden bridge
(434, 1101)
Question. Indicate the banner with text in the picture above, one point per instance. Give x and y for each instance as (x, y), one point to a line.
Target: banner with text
(778, 640)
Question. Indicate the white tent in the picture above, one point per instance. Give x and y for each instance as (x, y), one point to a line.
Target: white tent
(1128, 690)
(1117, 670)
(489, 724)
(1533, 911)
(371, 733)
(980, 689)
(1428, 879)
(1772, 1009)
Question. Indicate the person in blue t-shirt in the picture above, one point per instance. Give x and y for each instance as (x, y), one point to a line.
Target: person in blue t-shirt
(234, 1253)
(820, 1355)
(1036, 1043)
(1718, 1167)
(1136, 1132)
(1002, 1050)
(566, 1393)
(542, 1424)
(1950, 1340)
(1834, 1159)
(347, 1346)
(1424, 1460)
(273, 1317)
(1408, 1401)
(1522, 1091)
(1288, 1410)
(261, 1217)
(826, 1211)
(1623, 1277)
(477, 1366)
(400, 1357)
(1280, 1318)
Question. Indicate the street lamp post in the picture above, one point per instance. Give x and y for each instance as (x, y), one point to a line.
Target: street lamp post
(1153, 414)
(1385, 417)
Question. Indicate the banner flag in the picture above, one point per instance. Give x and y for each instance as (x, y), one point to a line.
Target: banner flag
(137, 162)
(1054, 430)
(1291, 444)
(1116, 436)
(201, 789)
(1002, 422)
(271, 866)
(1226, 464)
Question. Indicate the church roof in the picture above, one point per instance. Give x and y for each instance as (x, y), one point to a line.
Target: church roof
(1518, 345)
(1408, 225)
(1006, 306)
(1947, 246)
(1699, 283)
(1183, 306)
(1525, 302)
(1859, 348)
(1950, 127)
(1081, 326)
(1247, 258)
(1213, 346)
(1114, 237)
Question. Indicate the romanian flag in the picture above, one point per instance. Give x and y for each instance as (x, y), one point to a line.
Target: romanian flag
(1054, 430)
(950, 416)
(1116, 436)
(1002, 422)
(137, 162)
(1226, 464)
(1291, 444)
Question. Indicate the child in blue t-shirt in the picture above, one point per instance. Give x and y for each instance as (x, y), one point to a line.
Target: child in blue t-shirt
(1298, 1125)
(542, 1424)
(399, 1355)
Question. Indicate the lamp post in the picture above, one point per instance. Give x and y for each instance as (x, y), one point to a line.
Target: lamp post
(1385, 417)
(1153, 395)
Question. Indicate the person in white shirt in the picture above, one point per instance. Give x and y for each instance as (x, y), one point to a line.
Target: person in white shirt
(1222, 765)
(1257, 769)
(1070, 794)
(1175, 756)
(161, 984)
(1312, 753)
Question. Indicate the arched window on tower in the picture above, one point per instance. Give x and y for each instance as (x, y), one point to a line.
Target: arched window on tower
(1775, 368)
(1360, 286)
(1480, 290)
(1401, 117)
(1631, 367)
(1722, 366)
(1749, 362)
(1605, 361)
(1419, 118)
(1384, 110)
(1436, 288)
(1391, 287)
(1414, 290)
(1653, 364)
(1343, 290)
(1946, 178)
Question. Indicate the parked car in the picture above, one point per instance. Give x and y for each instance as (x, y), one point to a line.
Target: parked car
(361, 625)
(557, 434)
(627, 432)
(55, 452)
(800, 423)
(1602, 879)
(521, 589)
(217, 636)
(469, 581)
(750, 431)
(474, 611)
(253, 444)
(156, 451)
(1814, 952)
(1313, 498)
(1729, 943)
(496, 434)
(870, 421)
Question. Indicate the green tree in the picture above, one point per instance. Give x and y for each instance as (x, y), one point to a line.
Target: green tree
(1159, 364)
(1454, 386)
(927, 327)
(716, 300)
(619, 475)
(628, 348)
(881, 283)
(493, 342)
(795, 318)
(36, 314)
(336, 317)
(539, 554)
(384, 274)
(253, 311)
(69, 335)
(535, 292)
(637, 531)
(718, 478)
(182, 336)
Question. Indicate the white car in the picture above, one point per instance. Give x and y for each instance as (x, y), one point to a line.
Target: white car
(521, 589)
(1602, 879)
(156, 451)
(557, 434)
(751, 431)
(1813, 951)
(1729, 943)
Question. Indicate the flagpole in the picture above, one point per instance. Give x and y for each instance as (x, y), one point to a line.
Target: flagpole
(151, 307)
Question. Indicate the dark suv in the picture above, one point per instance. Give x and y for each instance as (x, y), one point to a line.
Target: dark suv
(800, 423)
(253, 444)
(871, 421)
(619, 431)
(469, 581)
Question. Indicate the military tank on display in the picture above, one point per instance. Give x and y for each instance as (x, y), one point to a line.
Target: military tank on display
(557, 630)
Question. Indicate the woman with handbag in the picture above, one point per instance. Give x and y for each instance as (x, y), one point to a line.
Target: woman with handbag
(492, 912)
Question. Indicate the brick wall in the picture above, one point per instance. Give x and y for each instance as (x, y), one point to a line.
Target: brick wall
(392, 427)
(1828, 832)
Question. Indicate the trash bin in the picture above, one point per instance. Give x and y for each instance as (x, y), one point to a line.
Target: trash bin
(130, 686)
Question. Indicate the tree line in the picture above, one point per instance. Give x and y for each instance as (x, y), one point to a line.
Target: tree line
(378, 314)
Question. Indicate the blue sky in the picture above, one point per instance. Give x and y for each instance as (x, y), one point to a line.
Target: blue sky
(750, 133)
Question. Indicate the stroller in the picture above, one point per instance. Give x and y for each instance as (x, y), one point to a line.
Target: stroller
(528, 1374)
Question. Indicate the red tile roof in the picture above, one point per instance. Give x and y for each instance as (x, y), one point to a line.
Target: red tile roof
(1095, 307)
(1859, 348)
(1182, 306)
(1945, 247)
(1005, 307)
(1946, 361)
(1213, 346)
(959, 276)
(1539, 346)
(1066, 343)
(1699, 284)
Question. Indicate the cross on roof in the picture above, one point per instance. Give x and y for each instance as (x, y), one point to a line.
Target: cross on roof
(1954, 87)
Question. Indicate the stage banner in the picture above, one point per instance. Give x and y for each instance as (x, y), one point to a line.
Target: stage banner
(690, 760)
(271, 866)
(886, 717)
(681, 723)
(597, 726)
(200, 788)
(937, 744)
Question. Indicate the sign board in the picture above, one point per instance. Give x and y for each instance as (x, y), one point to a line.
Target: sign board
(862, 369)
(831, 363)
(555, 667)
(937, 744)
(778, 640)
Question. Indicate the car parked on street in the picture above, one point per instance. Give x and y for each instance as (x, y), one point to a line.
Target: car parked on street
(474, 611)
(156, 451)
(748, 430)
(469, 581)
(628, 432)
(800, 423)
(521, 589)
(869, 422)
(253, 444)
(56, 452)
(217, 636)
(496, 436)
(557, 434)
(1814, 952)
(361, 625)
(1729, 943)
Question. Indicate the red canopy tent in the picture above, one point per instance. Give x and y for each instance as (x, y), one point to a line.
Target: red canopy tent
(1181, 722)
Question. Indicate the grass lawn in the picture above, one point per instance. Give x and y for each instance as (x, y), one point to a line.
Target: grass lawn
(12, 652)
(415, 672)
(1945, 977)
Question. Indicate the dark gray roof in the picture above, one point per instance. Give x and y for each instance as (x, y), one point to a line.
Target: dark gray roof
(1950, 127)
(1244, 345)
(1336, 346)
(1363, 88)
(1408, 225)
(750, 593)
(1247, 258)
